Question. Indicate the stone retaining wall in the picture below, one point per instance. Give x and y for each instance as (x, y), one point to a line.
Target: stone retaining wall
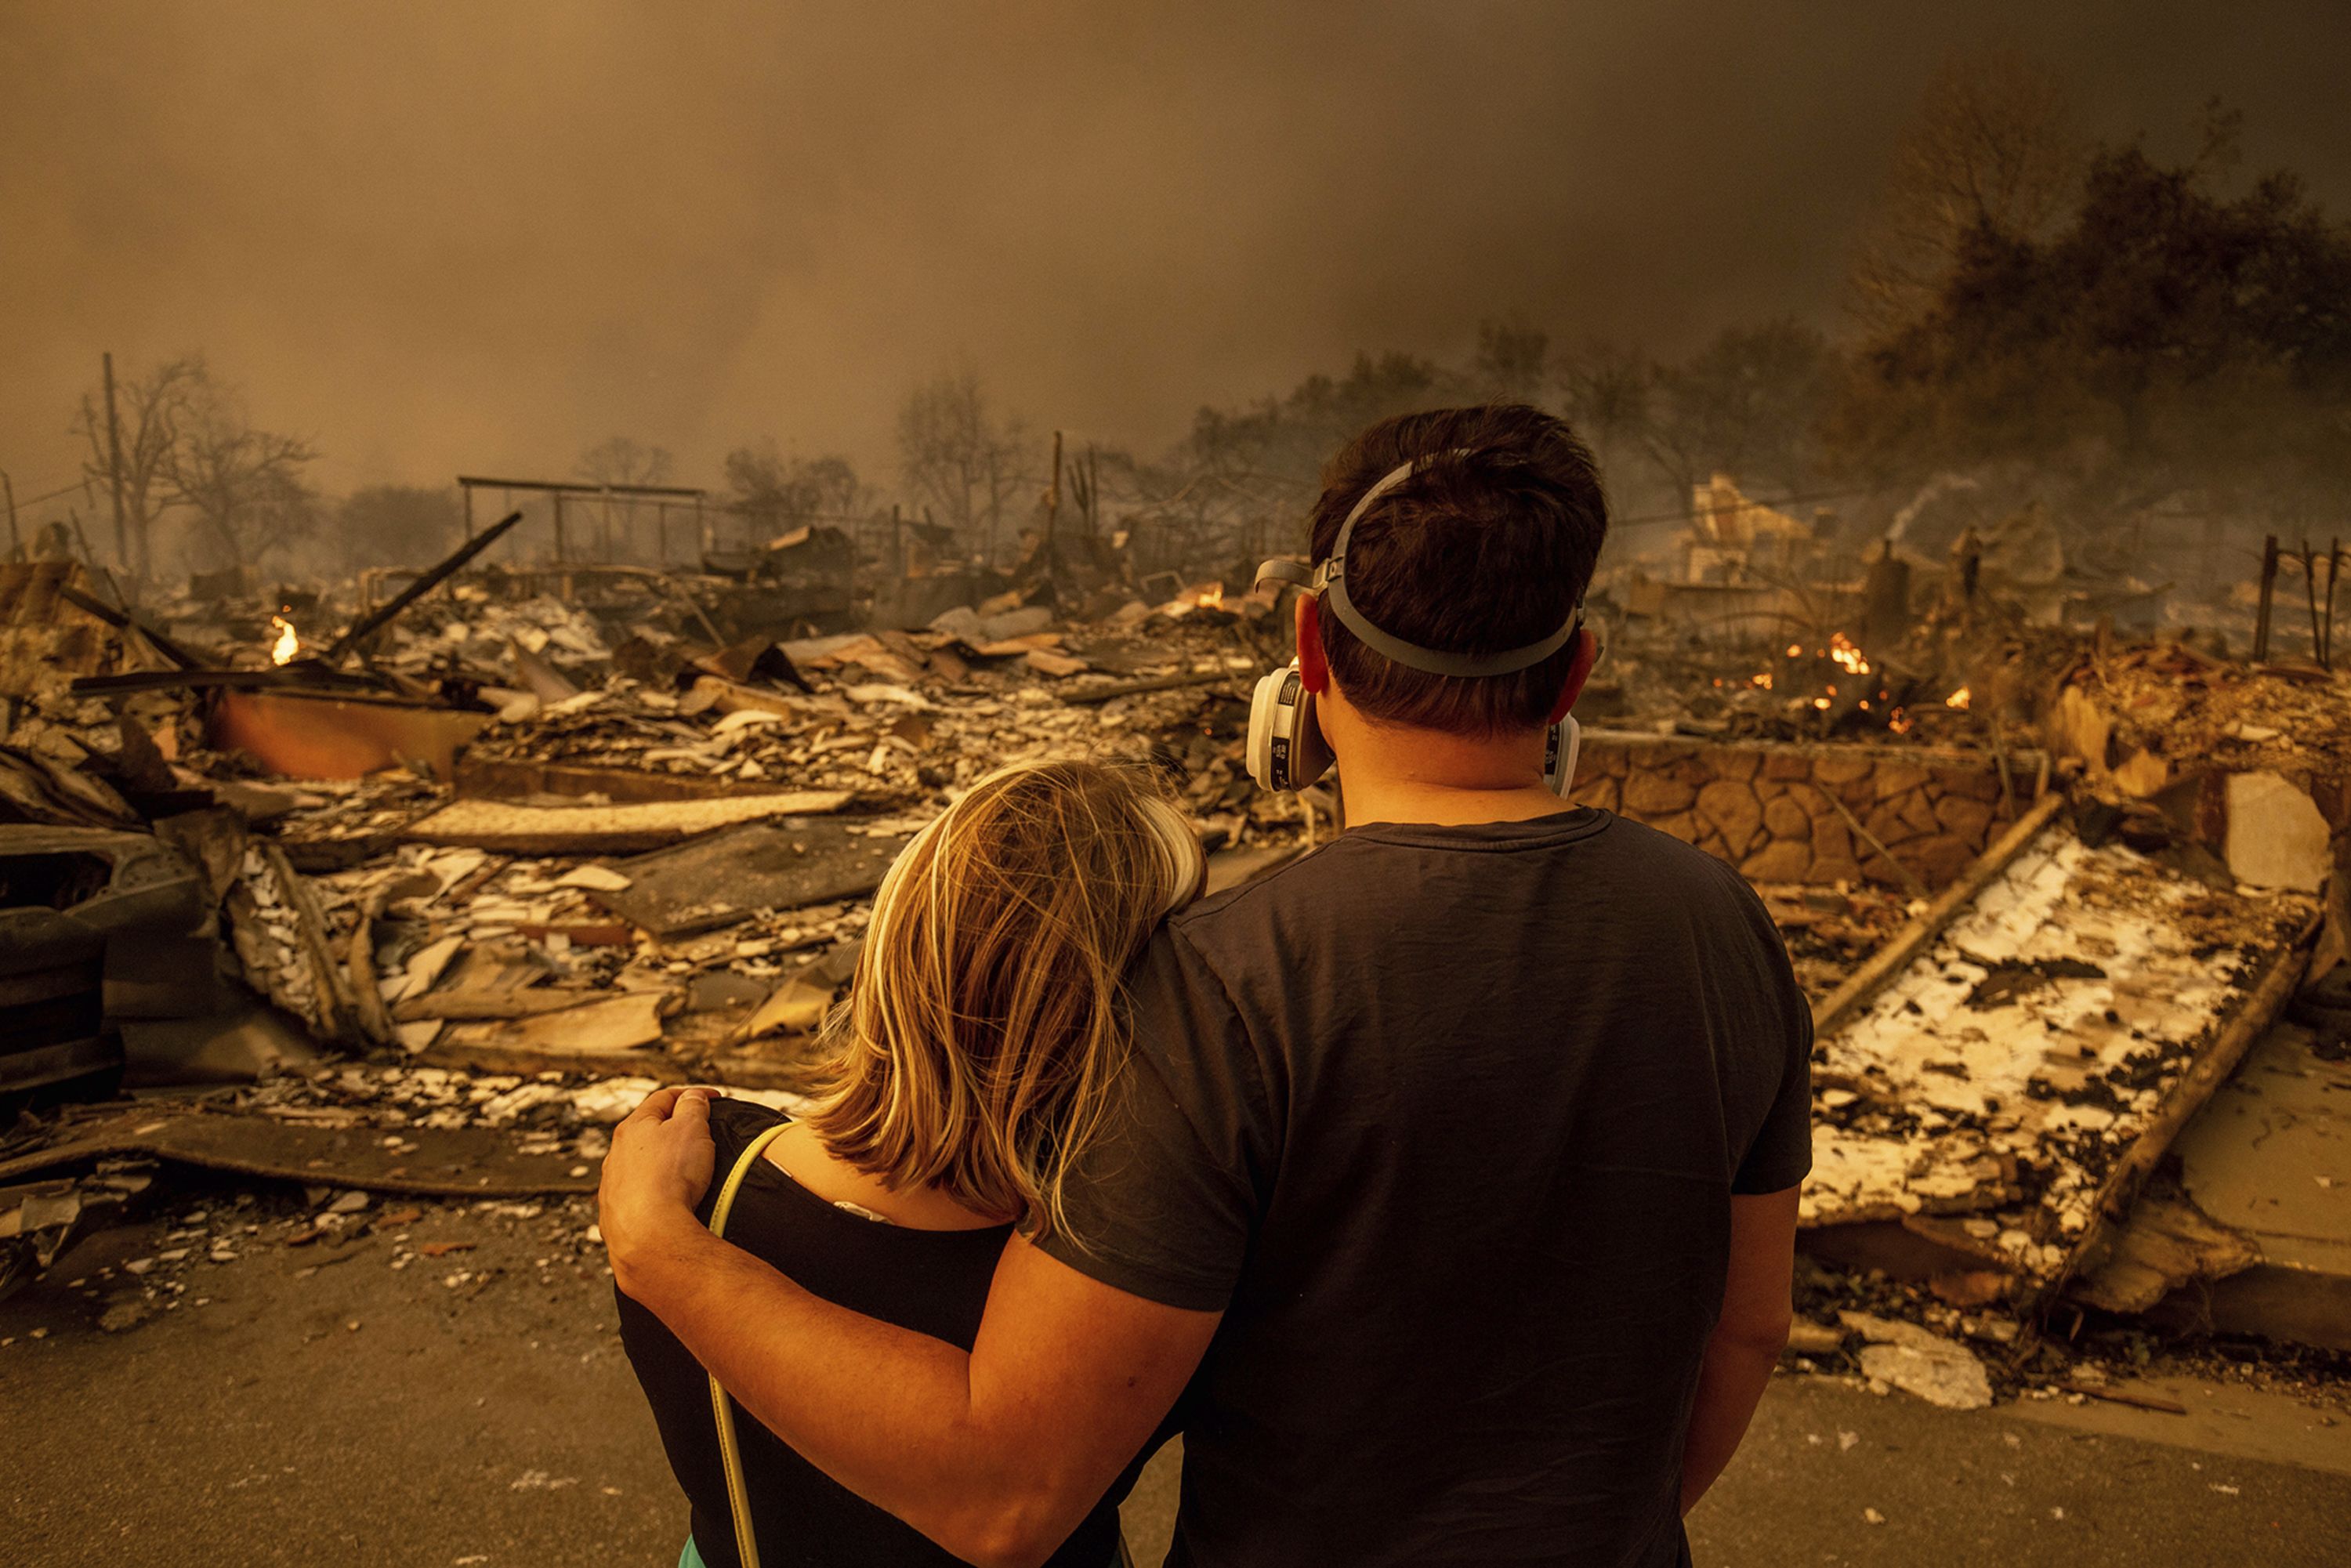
(1771, 810)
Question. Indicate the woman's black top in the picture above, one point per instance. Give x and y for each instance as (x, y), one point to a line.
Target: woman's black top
(932, 1281)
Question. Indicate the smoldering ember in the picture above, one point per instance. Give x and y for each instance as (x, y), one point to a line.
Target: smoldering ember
(363, 865)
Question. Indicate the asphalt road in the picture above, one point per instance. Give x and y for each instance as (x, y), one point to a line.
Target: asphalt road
(480, 1413)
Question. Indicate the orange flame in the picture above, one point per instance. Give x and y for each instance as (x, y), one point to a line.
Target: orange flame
(287, 644)
(1214, 598)
(1847, 654)
(1959, 699)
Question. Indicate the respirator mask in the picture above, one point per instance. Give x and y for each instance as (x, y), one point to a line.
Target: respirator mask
(1286, 749)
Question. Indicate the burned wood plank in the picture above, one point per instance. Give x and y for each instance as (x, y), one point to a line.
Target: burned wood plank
(1912, 939)
(337, 1010)
(513, 777)
(1109, 689)
(421, 587)
(605, 830)
(366, 993)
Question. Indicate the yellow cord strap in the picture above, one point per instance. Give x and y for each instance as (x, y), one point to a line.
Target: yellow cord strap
(731, 1456)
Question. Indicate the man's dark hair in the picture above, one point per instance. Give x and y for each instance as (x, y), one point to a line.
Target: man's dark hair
(1488, 547)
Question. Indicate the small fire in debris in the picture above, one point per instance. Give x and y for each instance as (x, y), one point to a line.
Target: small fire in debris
(287, 644)
(1959, 699)
(1795, 650)
(1762, 679)
(1212, 598)
(1822, 703)
(1901, 722)
(1847, 654)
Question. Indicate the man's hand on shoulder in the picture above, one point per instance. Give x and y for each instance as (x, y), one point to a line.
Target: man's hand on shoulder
(658, 1169)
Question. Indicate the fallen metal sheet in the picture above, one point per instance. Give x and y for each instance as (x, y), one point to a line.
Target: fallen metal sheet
(2011, 1106)
(458, 1162)
(605, 830)
(303, 737)
(731, 876)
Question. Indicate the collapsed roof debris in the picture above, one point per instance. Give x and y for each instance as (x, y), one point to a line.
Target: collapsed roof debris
(1996, 1080)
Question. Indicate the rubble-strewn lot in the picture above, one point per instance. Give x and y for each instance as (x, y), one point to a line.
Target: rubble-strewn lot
(415, 926)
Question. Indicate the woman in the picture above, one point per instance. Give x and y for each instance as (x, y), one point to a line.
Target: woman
(966, 1074)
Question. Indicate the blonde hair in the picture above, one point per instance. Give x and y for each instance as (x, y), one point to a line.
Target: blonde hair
(977, 1046)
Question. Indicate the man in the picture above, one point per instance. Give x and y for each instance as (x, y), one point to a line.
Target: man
(1454, 1168)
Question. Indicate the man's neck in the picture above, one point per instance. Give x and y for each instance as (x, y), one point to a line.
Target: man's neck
(1391, 774)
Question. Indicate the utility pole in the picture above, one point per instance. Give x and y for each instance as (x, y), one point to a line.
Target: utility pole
(1052, 501)
(15, 540)
(114, 470)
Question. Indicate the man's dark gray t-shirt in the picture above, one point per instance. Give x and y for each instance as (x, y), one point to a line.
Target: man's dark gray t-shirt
(1446, 1121)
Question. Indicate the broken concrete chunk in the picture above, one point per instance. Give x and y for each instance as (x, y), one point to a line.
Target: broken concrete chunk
(2277, 836)
(1920, 1363)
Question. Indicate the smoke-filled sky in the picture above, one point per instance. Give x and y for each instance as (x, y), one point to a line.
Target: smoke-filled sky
(481, 237)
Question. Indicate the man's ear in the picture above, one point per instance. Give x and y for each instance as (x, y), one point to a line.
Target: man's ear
(1313, 669)
(1579, 670)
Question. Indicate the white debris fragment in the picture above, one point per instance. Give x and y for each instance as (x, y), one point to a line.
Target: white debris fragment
(1920, 1363)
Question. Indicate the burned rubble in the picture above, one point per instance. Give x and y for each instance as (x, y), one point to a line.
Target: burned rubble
(411, 916)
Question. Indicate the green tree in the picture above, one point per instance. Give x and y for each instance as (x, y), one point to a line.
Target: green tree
(2168, 338)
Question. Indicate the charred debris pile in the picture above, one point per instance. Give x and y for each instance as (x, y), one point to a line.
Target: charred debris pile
(415, 892)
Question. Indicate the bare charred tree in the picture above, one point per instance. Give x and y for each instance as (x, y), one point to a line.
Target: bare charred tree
(777, 492)
(1512, 363)
(959, 457)
(1606, 391)
(1242, 484)
(245, 487)
(617, 460)
(151, 409)
(1747, 405)
(1993, 147)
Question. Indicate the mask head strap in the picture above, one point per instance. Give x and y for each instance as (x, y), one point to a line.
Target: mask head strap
(1329, 581)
